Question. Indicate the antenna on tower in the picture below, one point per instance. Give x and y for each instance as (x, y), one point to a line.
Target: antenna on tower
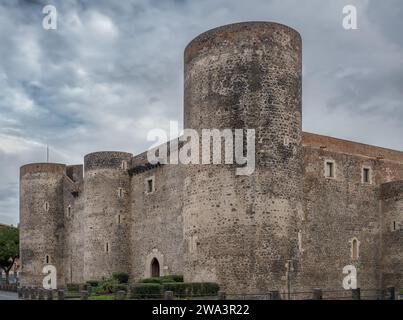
(47, 153)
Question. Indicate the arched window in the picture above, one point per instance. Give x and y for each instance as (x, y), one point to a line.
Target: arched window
(155, 268)
(354, 249)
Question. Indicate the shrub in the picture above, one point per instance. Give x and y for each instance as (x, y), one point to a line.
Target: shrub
(150, 280)
(172, 278)
(181, 289)
(163, 279)
(73, 287)
(106, 286)
(93, 283)
(146, 291)
(186, 289)
(122, 277)
(119, 287)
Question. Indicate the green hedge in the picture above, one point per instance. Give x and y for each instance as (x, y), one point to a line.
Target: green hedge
(106, 286)
(93, 283)
(163, 279)
(146, 291)
(172, 278)
(180, 289)
(151, 280)
(122, 277)
(188, 289)
(119, 287)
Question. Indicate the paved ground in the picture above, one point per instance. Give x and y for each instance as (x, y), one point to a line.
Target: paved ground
(8, 295)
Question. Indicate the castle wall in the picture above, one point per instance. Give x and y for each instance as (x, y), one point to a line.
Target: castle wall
(157, 228)
(340, 209)
(74, 218)
(107, 195)
(240, 230)
(392, 234)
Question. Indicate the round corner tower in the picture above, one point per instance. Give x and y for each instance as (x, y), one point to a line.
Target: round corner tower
(242, 231)
(41, 221)
(107, 219)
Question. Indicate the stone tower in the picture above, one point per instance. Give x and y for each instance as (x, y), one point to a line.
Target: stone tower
(107, 215)
(41, 221)
(242, 231)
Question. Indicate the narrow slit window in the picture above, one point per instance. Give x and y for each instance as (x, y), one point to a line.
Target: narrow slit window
(118, 218)
(47, 259)
(120, 192)
(366, 177)
(329, 169)
(150, 185)
(69, 211)
(46, 206)
(354, 249)
(107, 247)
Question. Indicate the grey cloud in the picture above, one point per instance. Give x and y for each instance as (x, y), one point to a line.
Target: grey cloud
(113, 70)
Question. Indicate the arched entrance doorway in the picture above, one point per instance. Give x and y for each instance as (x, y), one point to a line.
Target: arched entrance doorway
(155, 268)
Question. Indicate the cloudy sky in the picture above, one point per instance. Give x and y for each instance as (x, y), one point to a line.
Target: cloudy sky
(113, 70)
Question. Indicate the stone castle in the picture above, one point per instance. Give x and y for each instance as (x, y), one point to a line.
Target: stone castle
(313, 205)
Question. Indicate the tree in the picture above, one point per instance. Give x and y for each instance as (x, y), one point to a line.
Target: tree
(9, 248)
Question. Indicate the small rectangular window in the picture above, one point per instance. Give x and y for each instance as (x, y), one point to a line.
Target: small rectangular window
(366, 175)
(329, 169)
(150, 185)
